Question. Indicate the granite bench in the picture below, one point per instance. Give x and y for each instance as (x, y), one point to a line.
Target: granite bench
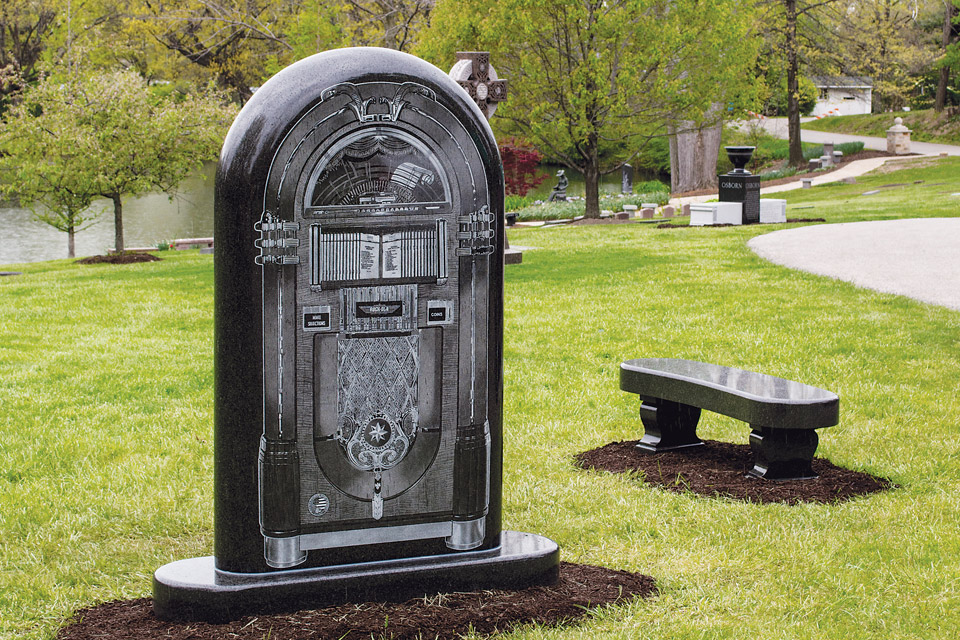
(782, 414)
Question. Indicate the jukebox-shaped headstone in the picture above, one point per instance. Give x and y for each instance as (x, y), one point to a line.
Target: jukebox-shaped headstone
(358, 318)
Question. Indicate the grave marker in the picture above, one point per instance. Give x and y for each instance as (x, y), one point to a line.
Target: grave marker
(358, 348)
(740, 186)
(626, 179)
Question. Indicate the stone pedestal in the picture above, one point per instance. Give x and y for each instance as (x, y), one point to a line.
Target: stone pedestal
(773, 211)
(711, 213)
(740, 186)
(898, 138)
(745, 189)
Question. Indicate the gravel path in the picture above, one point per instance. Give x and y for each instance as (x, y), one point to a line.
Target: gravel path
(918, 257)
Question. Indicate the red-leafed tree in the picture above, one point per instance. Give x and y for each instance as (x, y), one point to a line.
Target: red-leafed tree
(520, 166)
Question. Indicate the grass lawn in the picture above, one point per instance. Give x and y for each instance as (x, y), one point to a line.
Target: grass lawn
(106, 428)
(927, 125)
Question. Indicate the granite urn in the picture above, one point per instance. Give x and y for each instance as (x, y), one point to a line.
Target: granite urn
(358, 348)
(740, 186)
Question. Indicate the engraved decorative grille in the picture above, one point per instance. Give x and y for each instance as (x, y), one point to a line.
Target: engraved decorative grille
(377, 389)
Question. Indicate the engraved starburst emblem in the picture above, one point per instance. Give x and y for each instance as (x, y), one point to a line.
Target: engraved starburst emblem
(377, 433)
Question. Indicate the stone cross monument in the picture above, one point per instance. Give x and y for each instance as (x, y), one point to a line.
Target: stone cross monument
(477, 76)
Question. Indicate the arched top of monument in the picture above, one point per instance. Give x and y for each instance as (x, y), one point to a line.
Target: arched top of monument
(279, 104)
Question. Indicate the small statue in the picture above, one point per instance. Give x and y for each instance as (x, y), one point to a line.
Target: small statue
(559, 193)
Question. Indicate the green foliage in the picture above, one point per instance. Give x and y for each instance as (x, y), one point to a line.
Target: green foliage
(926, 125)
(574, 208)
(552, 210)
(614, 202)
(777, 104)
(512, 202)
(774, 174)
(655, 155)
(770, 150)
(849, 148)
(105, 134)
(591, 81)
(105, 482)
(651, 186)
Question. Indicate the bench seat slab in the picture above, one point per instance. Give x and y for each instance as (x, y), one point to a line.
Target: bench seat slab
(782, 414)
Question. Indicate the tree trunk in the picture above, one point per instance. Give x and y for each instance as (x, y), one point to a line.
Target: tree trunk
(793, 85)
(693, 155)
(117, 222)
(591, 176)
(71, 242)
(941, 99)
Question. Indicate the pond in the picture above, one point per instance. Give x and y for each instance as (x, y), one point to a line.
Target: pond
(147, 221)
(156, 218)
(609, 183)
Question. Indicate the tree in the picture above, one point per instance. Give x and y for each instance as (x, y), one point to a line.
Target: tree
(242, 42)
(394, 24)
(951, 52)
(592, 80)
(885, 41)
(694, 147)
(24, 25)
(39, 165)
(106, 134)
(795, 32)
(232, 39)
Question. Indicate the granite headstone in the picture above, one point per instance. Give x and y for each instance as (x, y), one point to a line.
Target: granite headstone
(358, 325)
(740, 186)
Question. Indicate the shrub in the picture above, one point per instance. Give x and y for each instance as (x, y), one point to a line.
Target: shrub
(552, 210)
(849, 148)
(514, 202)
(650, 186)
(778, 173)
(521, 162)
(615, 202)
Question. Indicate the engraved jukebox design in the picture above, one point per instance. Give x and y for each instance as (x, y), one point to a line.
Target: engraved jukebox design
(376, 243)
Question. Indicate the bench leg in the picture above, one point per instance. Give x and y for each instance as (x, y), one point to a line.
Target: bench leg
(783, 454)
(668, 425)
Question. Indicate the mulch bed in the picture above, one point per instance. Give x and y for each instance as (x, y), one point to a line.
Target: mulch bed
(580, 589)
(718, 469)
(120, 258)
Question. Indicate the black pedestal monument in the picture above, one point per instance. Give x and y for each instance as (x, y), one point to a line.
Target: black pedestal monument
(358, 348)
(740, 186)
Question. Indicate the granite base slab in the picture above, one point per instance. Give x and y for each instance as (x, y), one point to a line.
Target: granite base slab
(195, 589)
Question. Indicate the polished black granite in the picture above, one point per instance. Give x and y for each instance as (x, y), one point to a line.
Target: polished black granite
(782, 413)
(195, 589)
(752, 397)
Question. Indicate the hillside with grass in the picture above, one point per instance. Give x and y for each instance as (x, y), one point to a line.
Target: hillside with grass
(927, 125)
(106, 428)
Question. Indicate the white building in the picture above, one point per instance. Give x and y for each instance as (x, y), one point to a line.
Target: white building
(842, 95)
